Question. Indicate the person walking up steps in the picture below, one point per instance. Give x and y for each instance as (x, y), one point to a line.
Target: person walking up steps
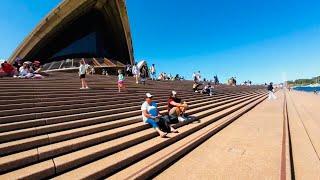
(143, 75)
(121, 80)
(82, 73)
(135, 72)
(271, 92)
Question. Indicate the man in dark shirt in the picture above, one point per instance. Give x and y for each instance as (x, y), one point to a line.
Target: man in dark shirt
(176, 108)
(271, 91)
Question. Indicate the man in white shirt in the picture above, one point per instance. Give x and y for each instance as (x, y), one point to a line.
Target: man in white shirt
(153, 72)
(150, 114)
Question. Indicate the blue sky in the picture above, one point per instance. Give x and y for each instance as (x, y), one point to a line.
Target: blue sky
(257, 40)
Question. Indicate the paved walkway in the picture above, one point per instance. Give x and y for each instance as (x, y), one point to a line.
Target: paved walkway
(249, 148)
(304, 122)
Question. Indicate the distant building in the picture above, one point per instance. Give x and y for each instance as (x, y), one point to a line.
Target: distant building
(96, 30)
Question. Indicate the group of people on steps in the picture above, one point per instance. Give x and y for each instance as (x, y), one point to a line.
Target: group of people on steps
(139, 74)
(176, 109)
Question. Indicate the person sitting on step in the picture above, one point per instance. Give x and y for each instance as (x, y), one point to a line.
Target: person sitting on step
(150, 114)
(147, 108)
(207, 89)
(177, 109)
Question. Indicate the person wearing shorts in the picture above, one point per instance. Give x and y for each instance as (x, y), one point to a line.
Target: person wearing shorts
(150, 114)
(143, 75)
(120, 80)
(135, 72)
(82, 74)
(177, 109)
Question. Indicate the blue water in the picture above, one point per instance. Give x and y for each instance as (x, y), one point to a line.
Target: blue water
(307, 89)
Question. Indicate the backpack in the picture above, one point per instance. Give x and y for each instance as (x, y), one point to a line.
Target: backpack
(164, 125)
(173, 119)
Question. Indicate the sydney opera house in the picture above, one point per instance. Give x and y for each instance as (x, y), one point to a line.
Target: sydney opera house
(94, 30)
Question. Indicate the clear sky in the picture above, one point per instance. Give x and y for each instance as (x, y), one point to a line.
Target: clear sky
(254, 40)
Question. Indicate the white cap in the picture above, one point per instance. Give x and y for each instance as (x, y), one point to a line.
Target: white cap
(149, 95)
(174, 92)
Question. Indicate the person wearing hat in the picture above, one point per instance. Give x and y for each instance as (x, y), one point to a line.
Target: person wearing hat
(36, 66)
(25, 71)
(150, 114)
(176, 108)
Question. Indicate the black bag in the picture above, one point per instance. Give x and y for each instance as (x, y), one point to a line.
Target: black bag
(173, 119)
(164, 125)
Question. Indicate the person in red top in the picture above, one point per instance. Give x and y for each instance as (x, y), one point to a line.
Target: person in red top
(7, 68)
(176, 108)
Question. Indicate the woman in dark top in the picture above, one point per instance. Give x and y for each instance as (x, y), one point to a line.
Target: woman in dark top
(176, 109)
(143, 75)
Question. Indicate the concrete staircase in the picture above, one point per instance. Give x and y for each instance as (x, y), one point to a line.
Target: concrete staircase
(50, 128)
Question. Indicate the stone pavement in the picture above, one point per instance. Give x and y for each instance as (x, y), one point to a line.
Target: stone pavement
(276, 140)
(304, 122)
(249, 148)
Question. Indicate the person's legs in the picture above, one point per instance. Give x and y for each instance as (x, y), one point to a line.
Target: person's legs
(123, 87)
(210, 91)
(174, 112)
(82, 83)
(196, 87)
(156, 127)
(184, 108)
(269, 95)
(172, 129)
(177, 112)
(85, 83)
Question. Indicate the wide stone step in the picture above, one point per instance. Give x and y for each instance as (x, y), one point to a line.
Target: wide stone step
(19, 145)
(73, 121)
(155, 163)
(111, 163)
(45, 118)
(45, 102)
(49, 111)
(232, 104)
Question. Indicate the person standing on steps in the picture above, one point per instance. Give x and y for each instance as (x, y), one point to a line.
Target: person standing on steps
(82, 73)
(153, 72)
(120, 80)
(128, 69)
(150, 114)
(196, 81)
(271, 91)
(143, 75)
(135, 72)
